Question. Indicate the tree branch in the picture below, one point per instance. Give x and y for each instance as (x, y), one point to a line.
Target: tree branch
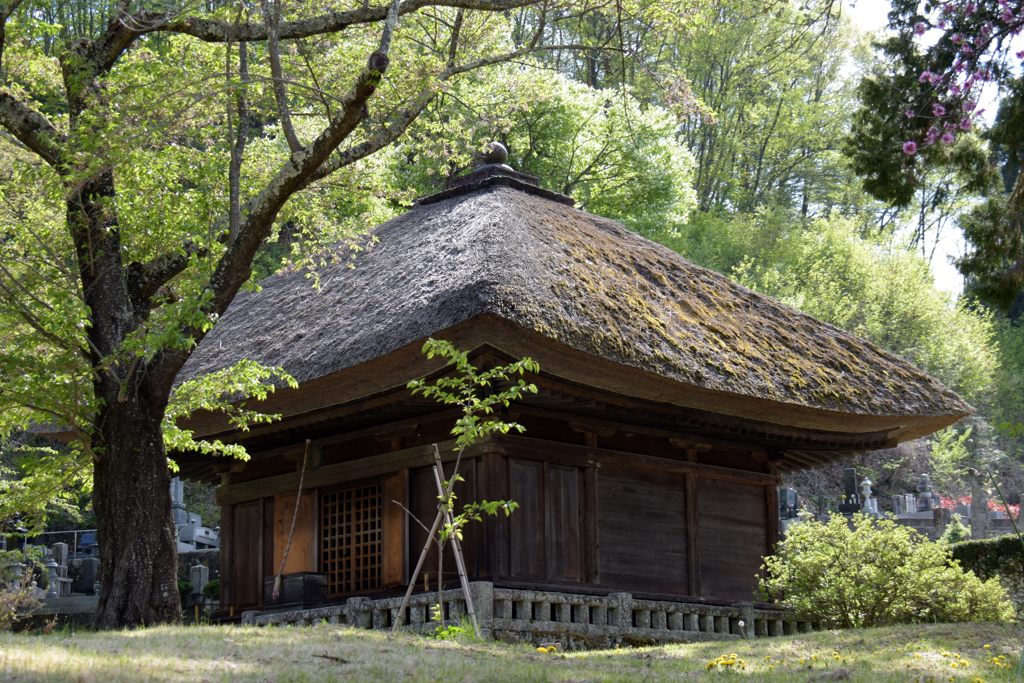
(146, 279)
(31, 128)
(238, 144)
(234, 267)
(401, 121)
(219, 31)
(272, 18)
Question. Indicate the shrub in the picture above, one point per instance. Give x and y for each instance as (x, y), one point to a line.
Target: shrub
(872, 572)
(956, 532)
(211, 591)
(16, 600)
(990, 557)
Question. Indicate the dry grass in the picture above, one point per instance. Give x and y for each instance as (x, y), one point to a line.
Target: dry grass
(327, 653)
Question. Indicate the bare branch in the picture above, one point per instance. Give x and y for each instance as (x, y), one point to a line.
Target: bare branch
(272, 18)
(31, 128)
(453, 44)
(219, 31)
(317, 88)
(397, 125)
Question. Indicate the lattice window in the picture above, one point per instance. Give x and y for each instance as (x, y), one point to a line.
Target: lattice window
(350, 539)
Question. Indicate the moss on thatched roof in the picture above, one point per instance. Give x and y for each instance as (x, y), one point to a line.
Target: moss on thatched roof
(501, 248)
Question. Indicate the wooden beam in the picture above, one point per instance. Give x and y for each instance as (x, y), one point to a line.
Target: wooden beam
(353, 470)
(540, 449)
(594, 424)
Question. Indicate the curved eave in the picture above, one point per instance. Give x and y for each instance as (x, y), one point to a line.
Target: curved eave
(584, 370)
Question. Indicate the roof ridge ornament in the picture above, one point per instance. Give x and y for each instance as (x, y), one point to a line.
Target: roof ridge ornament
(495, 163)
(494, 170)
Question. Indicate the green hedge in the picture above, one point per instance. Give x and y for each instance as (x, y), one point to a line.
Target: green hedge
(1002, 556)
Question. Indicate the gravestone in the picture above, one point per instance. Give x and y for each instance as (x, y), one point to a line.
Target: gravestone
(851, 501)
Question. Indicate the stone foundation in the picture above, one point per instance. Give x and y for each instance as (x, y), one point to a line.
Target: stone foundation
(575, 620)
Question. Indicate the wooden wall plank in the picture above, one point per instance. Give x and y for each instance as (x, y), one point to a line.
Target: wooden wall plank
(302, 555)
(247, 528)
(563, 533)
(526, 525)
(268, 568)
(643, 530)
(733, 538)
(423, 504)
(493, 485)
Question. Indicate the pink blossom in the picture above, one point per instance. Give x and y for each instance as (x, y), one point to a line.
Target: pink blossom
(954, 89)
(909, 113)
(938, 109)
(920, 28)
(925, 77)
(956, 39)
(1020, 54)
(965, 124)
(932, 135)
(910, 148)
(948, 138)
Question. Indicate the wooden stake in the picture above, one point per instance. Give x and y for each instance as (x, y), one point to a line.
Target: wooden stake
(456, 546)
(426, 546)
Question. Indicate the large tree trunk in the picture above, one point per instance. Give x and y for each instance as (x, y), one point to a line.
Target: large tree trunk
(131, 484)
(138, 550)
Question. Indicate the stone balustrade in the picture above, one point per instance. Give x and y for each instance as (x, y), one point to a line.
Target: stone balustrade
(574, 619)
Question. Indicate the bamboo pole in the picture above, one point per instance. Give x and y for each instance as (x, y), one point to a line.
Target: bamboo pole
(456, 546)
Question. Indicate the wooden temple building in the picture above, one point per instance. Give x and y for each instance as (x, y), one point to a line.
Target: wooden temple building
(670, 402)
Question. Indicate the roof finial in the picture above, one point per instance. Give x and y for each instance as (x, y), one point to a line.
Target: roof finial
(493, 170)
(496, 153)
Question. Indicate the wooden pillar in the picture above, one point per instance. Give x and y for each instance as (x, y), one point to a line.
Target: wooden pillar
(591, 528)
(395, 529)
(772, 504)
(227, 577)
(493, 485)
(692, 535)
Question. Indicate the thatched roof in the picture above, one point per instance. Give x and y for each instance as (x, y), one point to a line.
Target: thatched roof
(498, 247)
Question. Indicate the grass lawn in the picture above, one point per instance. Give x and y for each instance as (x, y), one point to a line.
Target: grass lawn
(940, 652)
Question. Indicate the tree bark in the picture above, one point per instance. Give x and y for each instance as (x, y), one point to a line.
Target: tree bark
(138, 550)
(131, 484)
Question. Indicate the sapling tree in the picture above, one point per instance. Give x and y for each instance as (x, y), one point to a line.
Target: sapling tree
(480, 395)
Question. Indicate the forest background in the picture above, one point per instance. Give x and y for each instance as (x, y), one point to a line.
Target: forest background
(745, 134)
